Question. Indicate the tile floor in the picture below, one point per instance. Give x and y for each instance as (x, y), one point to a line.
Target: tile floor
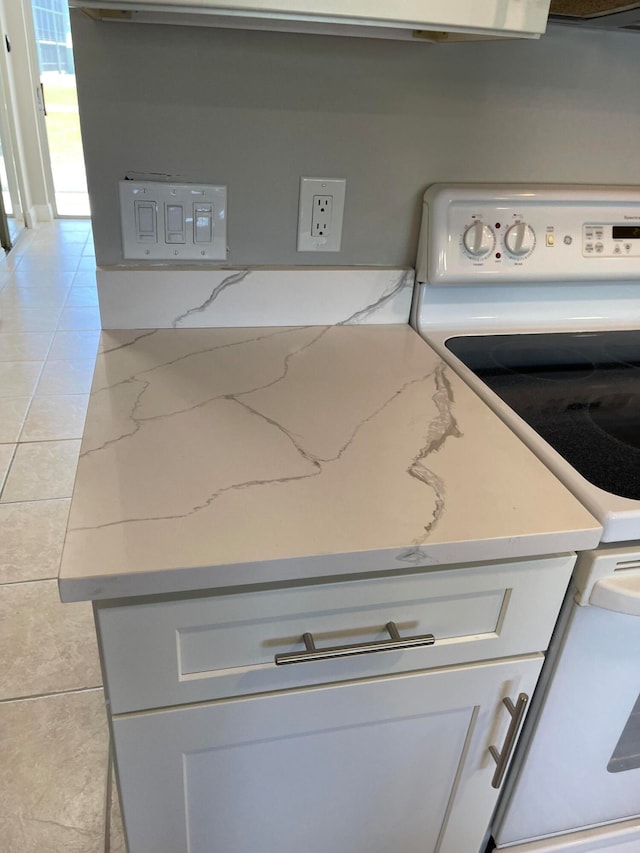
(56, 787)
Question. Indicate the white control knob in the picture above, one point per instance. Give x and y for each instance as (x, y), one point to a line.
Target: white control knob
(479, 239)
(520, 239)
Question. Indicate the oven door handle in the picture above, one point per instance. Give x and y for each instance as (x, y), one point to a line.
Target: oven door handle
(619, 593)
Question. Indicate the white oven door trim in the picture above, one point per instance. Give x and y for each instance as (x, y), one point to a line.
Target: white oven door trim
(609, 578)
(564, 782)
(623, 837)
(620, 594)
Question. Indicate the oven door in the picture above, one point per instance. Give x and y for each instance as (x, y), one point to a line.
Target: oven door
(581, 765)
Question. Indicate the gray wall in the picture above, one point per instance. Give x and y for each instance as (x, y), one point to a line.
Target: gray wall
(256, 111)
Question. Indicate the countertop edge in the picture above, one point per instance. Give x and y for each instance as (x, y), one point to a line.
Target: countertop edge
(292, 569)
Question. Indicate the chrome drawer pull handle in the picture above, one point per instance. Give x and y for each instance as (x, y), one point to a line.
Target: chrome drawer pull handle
(396, 642)
(502, 758)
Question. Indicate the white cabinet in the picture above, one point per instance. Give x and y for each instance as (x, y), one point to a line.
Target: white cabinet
(520, 18)
(220, 750)
(216, 645)
(397, 763)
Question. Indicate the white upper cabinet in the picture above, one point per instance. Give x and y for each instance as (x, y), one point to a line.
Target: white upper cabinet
(492, 18)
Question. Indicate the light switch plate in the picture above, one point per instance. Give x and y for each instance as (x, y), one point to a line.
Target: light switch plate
(163, 221)
(323, 234)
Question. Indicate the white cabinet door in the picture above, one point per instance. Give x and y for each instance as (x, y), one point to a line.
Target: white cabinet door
(506, 17)
(397, 763)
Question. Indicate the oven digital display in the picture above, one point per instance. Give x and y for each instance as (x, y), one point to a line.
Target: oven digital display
(626, 232)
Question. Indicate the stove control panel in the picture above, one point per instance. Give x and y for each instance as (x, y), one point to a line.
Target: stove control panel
(610, 240)
(473, 233)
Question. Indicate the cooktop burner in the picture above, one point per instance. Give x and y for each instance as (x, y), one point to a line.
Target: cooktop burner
(578, 391)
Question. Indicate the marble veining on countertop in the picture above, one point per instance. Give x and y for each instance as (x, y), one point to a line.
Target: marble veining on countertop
(214, 457)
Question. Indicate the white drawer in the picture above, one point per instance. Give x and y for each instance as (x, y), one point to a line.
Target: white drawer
(204, 647)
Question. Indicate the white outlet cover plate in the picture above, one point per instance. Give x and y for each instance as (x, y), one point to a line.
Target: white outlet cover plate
(310, 187)
(159, 194)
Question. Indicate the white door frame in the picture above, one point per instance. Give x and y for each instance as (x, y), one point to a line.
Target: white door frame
(8, 150)
(40, 104)
(21, 114)
(9, 131)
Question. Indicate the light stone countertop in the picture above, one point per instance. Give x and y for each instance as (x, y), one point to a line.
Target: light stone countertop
(222, 457)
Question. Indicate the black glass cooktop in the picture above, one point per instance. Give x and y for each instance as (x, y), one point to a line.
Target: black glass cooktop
(580, 392)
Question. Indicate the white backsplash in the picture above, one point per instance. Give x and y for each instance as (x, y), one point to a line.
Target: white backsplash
(178, 298)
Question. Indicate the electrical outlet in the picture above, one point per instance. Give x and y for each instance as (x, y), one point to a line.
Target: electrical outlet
(320, 214)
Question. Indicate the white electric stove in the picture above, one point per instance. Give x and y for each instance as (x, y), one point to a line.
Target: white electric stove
(532, 294)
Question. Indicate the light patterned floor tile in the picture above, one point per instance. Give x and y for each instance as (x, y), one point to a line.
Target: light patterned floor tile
(55, 418)
(75, 239)
(85, 278)
(116, 839)
(20, 319)
(19, 378)
(32, 539)
(55, 254)
(60, 237)
(73, 345)
(52, 257)
(20, 246)
(41, 471)
(53, 774)
(12, 414)
(53, 748)
(67, 225)
(24, 346)
(45, 646)
(44, 304)
(14, 297)
(82, 296)
(6, 455)
(43, 274)
(12, 260)
(33, 292)
(66, 377)
(87, 264)
(79, 317)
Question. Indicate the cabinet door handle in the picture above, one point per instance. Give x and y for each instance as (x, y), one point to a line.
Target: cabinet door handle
(396, 642)
(502, 758)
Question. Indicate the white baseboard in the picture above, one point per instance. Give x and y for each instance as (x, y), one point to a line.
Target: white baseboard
(43, 212)
(38, 213)
(30, 217)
